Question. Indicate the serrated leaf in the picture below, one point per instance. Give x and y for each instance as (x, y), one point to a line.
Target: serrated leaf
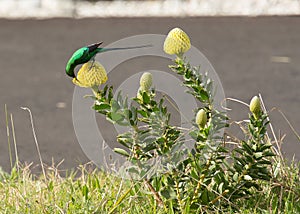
(121, 152)
(249, 158)
(220, 188)
(264, 176)
(149, 148)
(277, 169)
(194, 175)
(258, 155)
(247, 148)
(222, 149)
(110, 94)
(194, 134)
(125, 103)
(146, 98)
(264, 162)
(241, 161)
(268, 153)
(168, 194)
(102, 106)
(264, 147)
(239, 150)
(116, 117)
(124, 142)
(204, 95)
(143, 113)
(133, 170)
(114, 106)
(105, 89)
(85, 192)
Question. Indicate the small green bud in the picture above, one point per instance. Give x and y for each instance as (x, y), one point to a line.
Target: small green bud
(255, 107)
(201, 118)
(146, 81)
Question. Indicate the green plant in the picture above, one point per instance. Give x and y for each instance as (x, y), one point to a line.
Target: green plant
(208, 177)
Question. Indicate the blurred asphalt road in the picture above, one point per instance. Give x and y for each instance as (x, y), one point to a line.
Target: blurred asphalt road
(250, 55)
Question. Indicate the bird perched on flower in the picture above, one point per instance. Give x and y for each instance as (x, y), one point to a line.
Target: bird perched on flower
(87, 53)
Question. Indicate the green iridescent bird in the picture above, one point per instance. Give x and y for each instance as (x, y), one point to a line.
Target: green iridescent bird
(87, 53)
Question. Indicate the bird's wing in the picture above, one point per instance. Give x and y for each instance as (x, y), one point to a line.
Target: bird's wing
(80, 55)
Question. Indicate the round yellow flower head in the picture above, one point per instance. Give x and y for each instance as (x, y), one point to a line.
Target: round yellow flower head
(201, 118)
(91, 74)
(146, 81)
(254, 106)
(177, 42)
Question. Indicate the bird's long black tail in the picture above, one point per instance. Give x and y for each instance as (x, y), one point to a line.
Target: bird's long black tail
(101, 50)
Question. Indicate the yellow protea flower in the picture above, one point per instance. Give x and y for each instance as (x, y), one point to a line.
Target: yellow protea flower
(201, 118)
(90, 75)
(254, 106)
(146, 81)
(177, 42)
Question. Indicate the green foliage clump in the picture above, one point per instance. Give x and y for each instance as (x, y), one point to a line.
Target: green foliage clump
(211, 175)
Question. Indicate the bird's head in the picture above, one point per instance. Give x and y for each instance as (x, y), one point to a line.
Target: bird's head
(93, 47)
(70, 70)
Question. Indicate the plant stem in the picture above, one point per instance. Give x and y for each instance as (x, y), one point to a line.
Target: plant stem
(178, 195)
(8, 136)
(146, 181)
(35, 140)
(155, 194)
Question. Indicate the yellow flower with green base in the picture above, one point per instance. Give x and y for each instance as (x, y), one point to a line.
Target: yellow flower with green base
(91, 75)
(177, 42)
(255, 106)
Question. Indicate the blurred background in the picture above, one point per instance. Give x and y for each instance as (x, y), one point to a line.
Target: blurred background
(112, 8)
(254, 47)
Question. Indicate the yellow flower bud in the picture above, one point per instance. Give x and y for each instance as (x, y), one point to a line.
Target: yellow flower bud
(146, 81)
(201, 118)
(91, 74)
(255, 107)
(177, 42)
